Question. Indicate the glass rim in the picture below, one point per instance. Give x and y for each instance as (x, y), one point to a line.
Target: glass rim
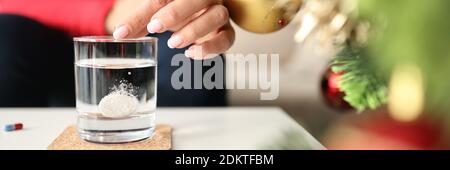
(111, 39)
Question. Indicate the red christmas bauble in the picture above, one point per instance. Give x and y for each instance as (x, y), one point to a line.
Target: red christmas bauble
(331, 92)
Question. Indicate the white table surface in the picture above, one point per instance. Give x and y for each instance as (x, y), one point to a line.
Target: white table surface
(193, 128)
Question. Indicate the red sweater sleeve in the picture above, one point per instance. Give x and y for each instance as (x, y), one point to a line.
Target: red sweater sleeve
(76, 17)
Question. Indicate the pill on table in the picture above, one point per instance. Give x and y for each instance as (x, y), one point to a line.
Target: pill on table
(13, 127)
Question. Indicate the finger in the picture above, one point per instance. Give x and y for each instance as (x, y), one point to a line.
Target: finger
(219, 43)
(214, 18)
(136, 21)
(176, 12)
(180, 25)
(142, 33)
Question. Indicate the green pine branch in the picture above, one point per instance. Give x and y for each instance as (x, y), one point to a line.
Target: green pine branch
(362, 87)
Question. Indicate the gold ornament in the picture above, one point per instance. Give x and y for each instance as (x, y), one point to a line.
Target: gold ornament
(325, 20)
(262, 16)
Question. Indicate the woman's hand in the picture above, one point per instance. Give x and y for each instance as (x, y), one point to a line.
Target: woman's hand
(203, 23)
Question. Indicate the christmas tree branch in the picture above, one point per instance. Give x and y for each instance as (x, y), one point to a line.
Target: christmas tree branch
(363, 89)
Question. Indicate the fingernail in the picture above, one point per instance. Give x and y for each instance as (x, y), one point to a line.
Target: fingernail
(194, 52)
(190, 53)
(154, 26)
(121, 32)
(174, 42)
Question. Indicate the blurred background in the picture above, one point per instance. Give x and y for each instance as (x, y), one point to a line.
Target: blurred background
(301, 70)
(407, 44)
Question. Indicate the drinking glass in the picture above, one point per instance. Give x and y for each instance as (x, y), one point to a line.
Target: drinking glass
(115, 88)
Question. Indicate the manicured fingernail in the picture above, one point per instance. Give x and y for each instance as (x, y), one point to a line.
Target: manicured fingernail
(154, 26)
(190, 53)
(194, 52)
(175, 41)
(121, 32)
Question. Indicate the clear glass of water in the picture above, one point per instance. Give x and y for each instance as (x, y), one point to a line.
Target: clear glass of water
(115, 88)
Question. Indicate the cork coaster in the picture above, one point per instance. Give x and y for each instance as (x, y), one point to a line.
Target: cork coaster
(69, 140)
